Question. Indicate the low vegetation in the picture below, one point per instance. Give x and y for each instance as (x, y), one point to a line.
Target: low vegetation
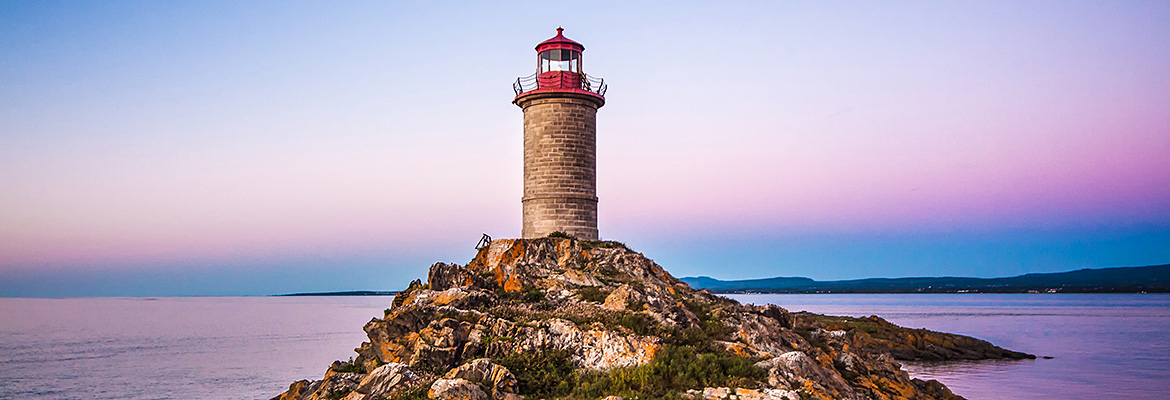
(593, 293)
(551, 373)
(561, 235)
(416, 392)
(527, 294)
(348, 366)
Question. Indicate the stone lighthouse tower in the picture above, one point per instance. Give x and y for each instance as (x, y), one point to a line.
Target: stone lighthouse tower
(560, 105)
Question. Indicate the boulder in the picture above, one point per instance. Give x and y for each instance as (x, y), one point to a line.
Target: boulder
(385, 379)
(578, 278)
(334, 386)
(622, 298)
(775, 312)
(295, 391)
(796, 370)
(456, 389)
(444, 276)
(723, 393)
(495, 378)
(596, 349)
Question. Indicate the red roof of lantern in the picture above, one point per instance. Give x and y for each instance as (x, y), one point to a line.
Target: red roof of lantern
(559, 42)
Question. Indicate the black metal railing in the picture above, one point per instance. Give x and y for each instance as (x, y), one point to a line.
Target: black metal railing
(593, 84)
(532, 82)
(525, 84)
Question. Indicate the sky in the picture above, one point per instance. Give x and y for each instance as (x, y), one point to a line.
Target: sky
(250, 148)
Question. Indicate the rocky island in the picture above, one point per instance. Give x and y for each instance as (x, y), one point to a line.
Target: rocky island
(558, 317)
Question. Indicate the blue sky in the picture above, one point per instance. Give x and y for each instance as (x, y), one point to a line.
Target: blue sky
(225, 148)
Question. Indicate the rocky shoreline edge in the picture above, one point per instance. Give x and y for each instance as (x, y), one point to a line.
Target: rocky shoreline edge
(565, 318)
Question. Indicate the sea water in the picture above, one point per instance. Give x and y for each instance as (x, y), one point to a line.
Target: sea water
(1103, 346)
(174, 348)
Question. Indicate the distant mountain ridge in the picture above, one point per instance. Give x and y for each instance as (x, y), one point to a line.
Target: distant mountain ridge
(1150, 279)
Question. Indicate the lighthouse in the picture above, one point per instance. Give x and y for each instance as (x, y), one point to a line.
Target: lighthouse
(560, 105)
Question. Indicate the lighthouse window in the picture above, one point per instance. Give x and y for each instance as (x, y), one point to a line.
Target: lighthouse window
(559, 60)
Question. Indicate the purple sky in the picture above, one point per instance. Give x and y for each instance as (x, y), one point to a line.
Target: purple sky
(208, 148)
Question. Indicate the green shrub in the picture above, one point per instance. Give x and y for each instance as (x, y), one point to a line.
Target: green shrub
(541, 374)
(551, 373)
(593, 293)
(348, 366)
(418, 392)
(527, 294)
(561, 235)
(462, 316)
(638, 323)
(602, 244)
(531, 294)
(489, 339)
(710, 319)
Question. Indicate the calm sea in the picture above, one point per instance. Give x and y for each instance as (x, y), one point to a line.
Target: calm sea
(1104, 346)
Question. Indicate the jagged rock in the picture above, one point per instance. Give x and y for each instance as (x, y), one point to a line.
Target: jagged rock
(723, 393)
(403, 295)
(795, 370)
(381, 381)
(295, 391)
(775, 312)
(876, 335)
(446, 276)
(766, 394)
(456, 389)
(593, 349)
(764, 336)
(333, 386)
(578, 278)
(716, 393)
(624, 296)
(498, 380)
(935, 389)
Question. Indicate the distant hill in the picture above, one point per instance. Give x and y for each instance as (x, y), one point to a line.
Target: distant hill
(1153, 279)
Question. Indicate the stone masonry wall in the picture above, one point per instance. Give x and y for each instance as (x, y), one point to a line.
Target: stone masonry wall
(560, 165)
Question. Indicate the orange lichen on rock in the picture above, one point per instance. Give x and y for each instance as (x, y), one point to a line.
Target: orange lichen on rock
(739, 350)
(500, 259)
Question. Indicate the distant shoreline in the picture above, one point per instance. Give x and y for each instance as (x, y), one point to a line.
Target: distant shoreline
(1148, 279)
(346, 293)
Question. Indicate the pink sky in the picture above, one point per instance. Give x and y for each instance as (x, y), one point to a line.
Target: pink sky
(139, 135)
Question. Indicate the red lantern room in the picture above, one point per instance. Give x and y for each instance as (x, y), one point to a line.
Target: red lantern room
(558, 69)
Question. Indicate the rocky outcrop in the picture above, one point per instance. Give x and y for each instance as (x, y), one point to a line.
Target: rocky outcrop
(723, 393)
(456, 389)
(550, 318)
(875, 335)
(499, 382)
(382, 381)
(794, 370)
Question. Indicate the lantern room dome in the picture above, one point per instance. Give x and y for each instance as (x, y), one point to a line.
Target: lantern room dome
(559, 42)
(559, 71)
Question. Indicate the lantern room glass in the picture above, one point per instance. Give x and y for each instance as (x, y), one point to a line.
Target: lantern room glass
(560, 60)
